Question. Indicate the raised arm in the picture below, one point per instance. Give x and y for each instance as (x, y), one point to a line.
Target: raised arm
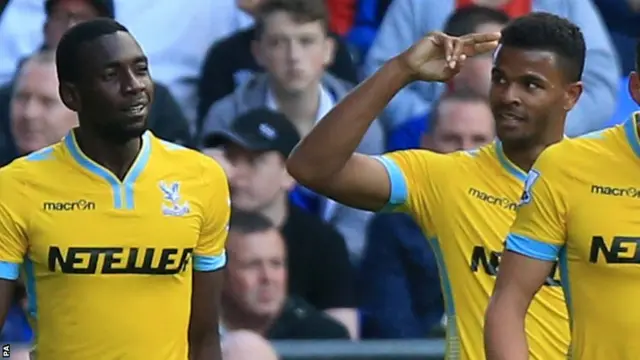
(325, 161)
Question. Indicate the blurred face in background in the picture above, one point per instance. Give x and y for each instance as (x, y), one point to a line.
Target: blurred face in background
(38, 116)
(259, 178)
(476, 72)
(256, 274)
(294, 53)
(65, 14)
(460, 125)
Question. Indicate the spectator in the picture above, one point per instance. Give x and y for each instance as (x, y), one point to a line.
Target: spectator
(256, 146)
(246, 345)
(230, 63)
(38, 117)
(165, 118)
(399, 286)
(255, 293)
(175, 36)
(408, 20)
(475, 75)
(293, 47)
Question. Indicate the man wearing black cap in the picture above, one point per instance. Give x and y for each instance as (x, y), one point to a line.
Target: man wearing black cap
(165, 119)
(256, 145)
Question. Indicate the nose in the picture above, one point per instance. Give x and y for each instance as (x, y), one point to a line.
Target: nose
(295, 50)
(133, 83)
(511, 95)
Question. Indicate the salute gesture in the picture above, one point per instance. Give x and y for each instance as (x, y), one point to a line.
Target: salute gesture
(438, 57)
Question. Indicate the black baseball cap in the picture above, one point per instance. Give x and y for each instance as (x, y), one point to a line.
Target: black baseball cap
(105, 8)
(258, 130)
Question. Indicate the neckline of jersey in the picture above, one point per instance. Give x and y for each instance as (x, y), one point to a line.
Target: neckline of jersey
(122, 190)
(631, 132)
(507, 165)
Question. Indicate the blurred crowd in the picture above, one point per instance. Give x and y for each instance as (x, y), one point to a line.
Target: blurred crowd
(243, 80)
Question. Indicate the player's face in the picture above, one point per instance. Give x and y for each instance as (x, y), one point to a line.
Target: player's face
(634, 86)
(295, 54)
(38, 116)
(529, 95)
(462, 125)
(259, 178)
(256, 272)
(115, 90)
(64, 15)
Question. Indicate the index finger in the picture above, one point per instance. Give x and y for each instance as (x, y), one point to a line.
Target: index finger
(476, 38)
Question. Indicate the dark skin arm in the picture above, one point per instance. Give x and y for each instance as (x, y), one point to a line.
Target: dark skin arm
(7, 287)
(519, 279)
(204, 336)
(325, 161)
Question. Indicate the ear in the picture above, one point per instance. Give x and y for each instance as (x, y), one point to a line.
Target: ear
(634, 86)
(329, 50)
(571, 96)
(257, 52)
(69, 96)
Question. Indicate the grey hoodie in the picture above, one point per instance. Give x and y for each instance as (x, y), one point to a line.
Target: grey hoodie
(252, 95)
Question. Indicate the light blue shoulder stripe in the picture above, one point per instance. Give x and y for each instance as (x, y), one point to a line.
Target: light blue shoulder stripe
(209, 263)
(532, 248)
(9, 270)
(399, 188)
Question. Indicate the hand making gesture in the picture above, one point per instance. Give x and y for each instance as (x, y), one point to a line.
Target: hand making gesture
(438, 57)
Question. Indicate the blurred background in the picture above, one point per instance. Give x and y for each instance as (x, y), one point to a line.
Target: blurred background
(307, 278)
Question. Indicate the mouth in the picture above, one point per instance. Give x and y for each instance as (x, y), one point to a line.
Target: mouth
(136, 108)
(509, 118)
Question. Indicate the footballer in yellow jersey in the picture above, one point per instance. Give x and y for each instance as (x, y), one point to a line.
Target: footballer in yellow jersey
(581, 205)
(119, 234)
(107, 263)
(465, 203)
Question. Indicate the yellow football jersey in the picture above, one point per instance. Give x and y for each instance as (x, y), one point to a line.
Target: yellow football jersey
(581, 204)
(108, 263)
(465, 203)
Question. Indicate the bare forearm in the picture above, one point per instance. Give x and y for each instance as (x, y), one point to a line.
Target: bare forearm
(205, 347)
(329, 146)
(505, 337)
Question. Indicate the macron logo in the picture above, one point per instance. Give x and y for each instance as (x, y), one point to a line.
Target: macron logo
(78, 205)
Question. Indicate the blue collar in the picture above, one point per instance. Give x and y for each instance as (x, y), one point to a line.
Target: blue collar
(510, 167)
(123, 196)
(631, 131)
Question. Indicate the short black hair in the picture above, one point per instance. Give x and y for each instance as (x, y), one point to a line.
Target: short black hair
(461, 94)
(249, 222)
(67, 51)
(467, 19)
(548, 32)
(302, 11)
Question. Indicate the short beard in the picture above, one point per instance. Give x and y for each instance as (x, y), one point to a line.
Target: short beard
(119, 135)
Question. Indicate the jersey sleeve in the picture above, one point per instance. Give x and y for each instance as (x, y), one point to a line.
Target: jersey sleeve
(209, 254)
(13, 238)
(415, 177)
(539, 230)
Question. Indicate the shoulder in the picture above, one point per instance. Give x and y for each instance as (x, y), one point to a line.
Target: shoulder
(32, 166)
(312, 226)
(189, 160)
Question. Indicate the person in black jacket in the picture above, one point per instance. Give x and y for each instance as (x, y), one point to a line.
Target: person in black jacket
(255, 293)
(230, 62)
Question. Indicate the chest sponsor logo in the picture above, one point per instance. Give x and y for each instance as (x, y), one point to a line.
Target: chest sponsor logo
(173, 205)
(499, 201)
(118, 260)
(488, 261)
(623, 250)
(631, 192)
(78, 205)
